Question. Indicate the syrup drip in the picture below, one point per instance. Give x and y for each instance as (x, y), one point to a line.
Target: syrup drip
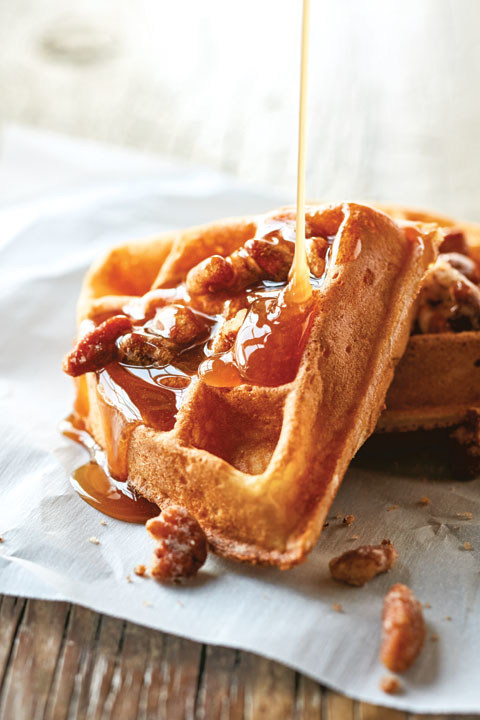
(98, 488)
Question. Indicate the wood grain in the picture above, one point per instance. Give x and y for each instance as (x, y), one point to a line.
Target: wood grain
(60, 662)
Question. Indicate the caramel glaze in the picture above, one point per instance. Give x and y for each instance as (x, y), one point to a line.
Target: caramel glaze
(267, 351)
(94, 483)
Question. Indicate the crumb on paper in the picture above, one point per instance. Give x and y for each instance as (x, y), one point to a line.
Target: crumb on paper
(392, 507)
(448, 617)
(1, 539)
(140, 570)
(326, 524)
(464, 515)
(179, 602)
(424, 500)
(354, 537)
(102, 522)
(390, 684)
(94, 540)
(339, 516)
(435, 637)
(337, 607)
(128, 579)
(147, 603)
(348, 519)
(467, 545)
(427, 605)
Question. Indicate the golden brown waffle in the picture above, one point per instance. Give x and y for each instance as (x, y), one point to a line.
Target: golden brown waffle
(259, 466)
(437, 381)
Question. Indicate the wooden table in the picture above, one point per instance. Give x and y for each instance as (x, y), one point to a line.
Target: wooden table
(394, 116)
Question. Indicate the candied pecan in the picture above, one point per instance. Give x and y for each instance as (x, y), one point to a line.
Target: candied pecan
(177, 324)
(448, 301)
(316, 255)
(403, 628)
(273, 258)
(138, 348)
(211, 275)
(463, 264)
(97, 347)
(228, 332)
(358, 566)
(454, 241)
(181, 545)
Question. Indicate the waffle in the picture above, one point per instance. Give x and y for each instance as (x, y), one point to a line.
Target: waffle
(259, 466)
(437, 381)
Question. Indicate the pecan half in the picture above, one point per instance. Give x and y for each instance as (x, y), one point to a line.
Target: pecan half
(454, 241)
(403, 628)
(177, 324)
(181, 545)
(211, 275)
(358, 566)
(317, 248)
(97, 347)
(138, 348)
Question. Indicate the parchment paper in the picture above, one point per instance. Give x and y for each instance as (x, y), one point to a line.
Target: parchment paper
(46, 242)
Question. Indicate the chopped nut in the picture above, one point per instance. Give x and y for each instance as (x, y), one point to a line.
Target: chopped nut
(427, 605)
(354, 537)
(140, 570)
(147, 603)
(466, 515)
(435, 637)
(467, 545)
(181, 545)
(454, 241)
(102, 522)
(356, 567)
(178, 324)
(424, 500)
(1, 539)
(228, 332)
(94, 540)
(403, 628)
(349, 519)
(448, 617)
(390, 684)
(392, 507)
(273, 258)
(448, 301)
(128, 579)
(142, 348)
(96, 348)
(337, 607)
(211, 275)
(317, 248)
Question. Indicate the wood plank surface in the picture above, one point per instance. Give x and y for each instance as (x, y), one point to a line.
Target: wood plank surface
(392, 117)
(62, 662)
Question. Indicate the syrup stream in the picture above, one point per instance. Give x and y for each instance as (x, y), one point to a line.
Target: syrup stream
(299, 289)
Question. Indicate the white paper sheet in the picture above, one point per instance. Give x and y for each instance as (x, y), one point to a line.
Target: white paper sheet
(46, 243)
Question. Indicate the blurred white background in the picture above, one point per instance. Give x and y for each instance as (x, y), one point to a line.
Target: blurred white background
(394, 97)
